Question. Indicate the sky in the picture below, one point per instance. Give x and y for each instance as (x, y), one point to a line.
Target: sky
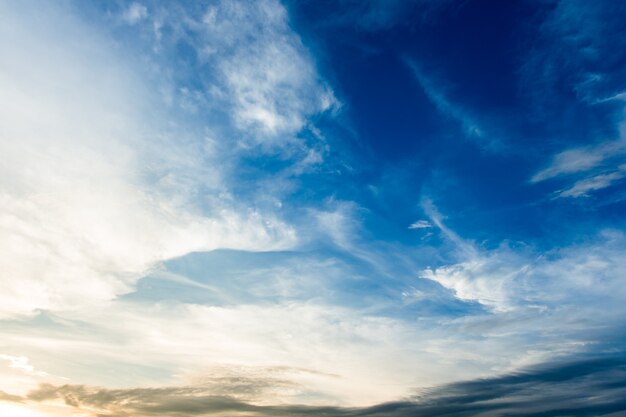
(312, 207)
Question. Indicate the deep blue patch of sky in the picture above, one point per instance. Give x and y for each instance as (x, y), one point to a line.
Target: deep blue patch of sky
(515, 69)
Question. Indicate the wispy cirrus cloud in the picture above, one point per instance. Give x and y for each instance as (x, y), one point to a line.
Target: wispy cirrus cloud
(513, 277)
(576, 43)
(269, 73)
(420, 224)
(508, 292)
(379, 15)
(97, 190)
(134, 13)
(572, 161)
(575, 59)
(436, 93)
(150, 164)
(310, 352)
(252, 68)
(598, 182)
(593, 167)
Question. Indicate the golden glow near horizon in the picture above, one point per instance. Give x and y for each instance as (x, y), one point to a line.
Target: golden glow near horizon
(12, 409)
(15, 410)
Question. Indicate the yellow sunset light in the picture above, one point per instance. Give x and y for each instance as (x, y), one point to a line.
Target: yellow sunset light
(14, 410)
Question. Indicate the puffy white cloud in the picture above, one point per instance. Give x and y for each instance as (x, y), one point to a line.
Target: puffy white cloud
(474, 280)
(507, 279)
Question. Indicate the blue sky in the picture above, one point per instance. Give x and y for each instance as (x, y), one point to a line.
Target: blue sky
(293, 207)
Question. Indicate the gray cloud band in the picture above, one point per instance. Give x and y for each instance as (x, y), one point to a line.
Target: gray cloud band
(582, 388)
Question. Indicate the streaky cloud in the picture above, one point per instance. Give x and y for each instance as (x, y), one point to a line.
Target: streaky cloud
(594, 386)
(436, 93)
(585, 186)
(572, 161)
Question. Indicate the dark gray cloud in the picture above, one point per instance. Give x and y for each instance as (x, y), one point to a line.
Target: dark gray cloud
(591, 387)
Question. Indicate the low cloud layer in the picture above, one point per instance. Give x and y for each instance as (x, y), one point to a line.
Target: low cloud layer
(596, 386)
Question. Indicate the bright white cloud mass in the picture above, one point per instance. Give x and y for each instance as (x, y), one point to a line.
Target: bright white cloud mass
(258, 208)
(92, 195)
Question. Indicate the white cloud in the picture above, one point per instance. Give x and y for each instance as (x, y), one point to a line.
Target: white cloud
(513, 277)
(436, 94)
(92, 199)
(94, 190)
(583, 187)
(340, 223)
(307, 352)
(19, 374)
(487, 280)
(134, 13)
(270, 77)
(420, 224)
(580, 159)
(302, 351)
(327, 353)
(21, 363)
(467, 248)
(593, 167)
(504, 279)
